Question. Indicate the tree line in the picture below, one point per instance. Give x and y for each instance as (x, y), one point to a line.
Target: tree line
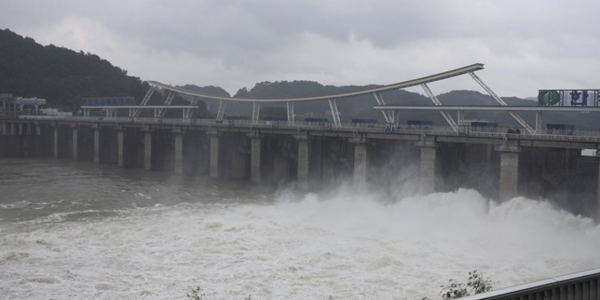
(63, 77)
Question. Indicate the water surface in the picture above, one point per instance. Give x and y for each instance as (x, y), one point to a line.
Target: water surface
(77, 230)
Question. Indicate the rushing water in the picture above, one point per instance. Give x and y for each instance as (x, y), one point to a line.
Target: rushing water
(75, 230)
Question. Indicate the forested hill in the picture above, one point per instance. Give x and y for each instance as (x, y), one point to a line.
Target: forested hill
(61, 76)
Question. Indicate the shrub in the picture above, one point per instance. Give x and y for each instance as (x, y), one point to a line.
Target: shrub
(476, 284)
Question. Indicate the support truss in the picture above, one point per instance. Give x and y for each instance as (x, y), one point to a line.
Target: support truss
(394, 115)
(491, 93)
(162, 111)
(386, 114)
(334, 113)
(111, 112)
(538, 122)
(460, 119)
(221, 111)
(255, 112)
(437, 102)
(290, 112)
(188, 113)
(144, 101)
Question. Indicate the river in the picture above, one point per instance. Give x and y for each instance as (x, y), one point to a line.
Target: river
(78, 230)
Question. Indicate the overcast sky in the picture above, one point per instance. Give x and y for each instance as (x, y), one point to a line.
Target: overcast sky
(525, 45)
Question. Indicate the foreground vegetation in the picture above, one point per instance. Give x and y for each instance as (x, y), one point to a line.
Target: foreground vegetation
(476, 284)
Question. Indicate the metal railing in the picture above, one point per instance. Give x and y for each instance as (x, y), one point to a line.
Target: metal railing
(581, 286)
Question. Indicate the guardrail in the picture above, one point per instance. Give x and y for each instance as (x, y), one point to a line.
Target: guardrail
(581, 286)
(481, 132)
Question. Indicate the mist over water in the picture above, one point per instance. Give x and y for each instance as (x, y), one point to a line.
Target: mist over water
(76, 230)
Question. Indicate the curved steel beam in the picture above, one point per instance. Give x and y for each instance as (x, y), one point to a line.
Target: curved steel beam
(399, 85)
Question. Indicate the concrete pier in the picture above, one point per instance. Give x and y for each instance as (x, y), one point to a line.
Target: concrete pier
(509, 172)
(178, 152)
(427, 176)
(303, 161)
(255, 159)
(120, 147)
(214, 156)
(55, 143)
(97, 145)
(147, 149)
(74, 140)
(360, 163)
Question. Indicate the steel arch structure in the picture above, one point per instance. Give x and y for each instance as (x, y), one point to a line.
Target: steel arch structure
(331, 98)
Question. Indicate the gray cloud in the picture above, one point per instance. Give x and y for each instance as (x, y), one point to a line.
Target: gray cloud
(526, 45)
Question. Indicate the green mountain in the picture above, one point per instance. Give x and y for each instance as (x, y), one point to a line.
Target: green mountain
(61, 76)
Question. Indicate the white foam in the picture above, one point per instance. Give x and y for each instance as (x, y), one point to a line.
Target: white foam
(18, 204)
(345, 244)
